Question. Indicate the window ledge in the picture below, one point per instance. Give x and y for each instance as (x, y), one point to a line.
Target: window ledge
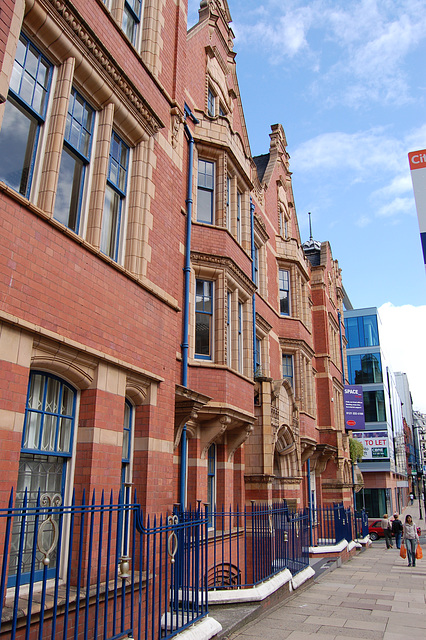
(145, 283)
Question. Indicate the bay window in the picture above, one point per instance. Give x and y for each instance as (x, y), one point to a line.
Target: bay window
(203, 319)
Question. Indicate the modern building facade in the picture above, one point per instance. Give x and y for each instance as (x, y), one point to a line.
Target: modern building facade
(384, 465)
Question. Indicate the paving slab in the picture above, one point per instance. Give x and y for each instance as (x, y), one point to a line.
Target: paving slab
(375, 596)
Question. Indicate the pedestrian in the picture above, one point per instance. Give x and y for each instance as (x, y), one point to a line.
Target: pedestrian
(411, 498)
(387, 530)
(397, 529)
(411, 539)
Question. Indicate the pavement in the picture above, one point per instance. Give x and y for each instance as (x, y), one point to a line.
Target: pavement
(375, 595)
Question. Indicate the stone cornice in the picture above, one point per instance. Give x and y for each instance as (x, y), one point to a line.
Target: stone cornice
(71, 22)
(225, 263)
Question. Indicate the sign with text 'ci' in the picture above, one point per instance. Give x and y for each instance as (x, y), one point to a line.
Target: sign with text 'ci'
(353, 401)
(417, 161)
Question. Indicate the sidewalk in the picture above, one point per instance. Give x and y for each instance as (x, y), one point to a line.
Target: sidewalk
(375, 595)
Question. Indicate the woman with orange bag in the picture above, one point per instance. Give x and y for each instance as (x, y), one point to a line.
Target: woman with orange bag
(411, 539)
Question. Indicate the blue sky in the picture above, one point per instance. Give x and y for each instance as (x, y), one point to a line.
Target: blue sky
(347, 80)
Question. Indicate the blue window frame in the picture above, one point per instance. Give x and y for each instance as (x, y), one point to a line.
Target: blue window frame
(365, 368)
(228, 203)
(205, 192)
(211, 481)
(131, 18)
(74, 161)
(239, 217)
(256, 265)
(362, 331)
(228, 329)
(115, 194)
(203, 319)
(47, 442)
(284, 277)
(240, 338)
(24, 115)
(287, 364)
(258, 357)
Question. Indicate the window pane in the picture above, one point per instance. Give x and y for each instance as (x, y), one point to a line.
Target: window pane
(284, 303)
(352, 334)
(64, 435)
(30, 77)
(49, 433)
(129, 25)
(36, 392)
(49, 401)
(371, 337)
(110, 221)
(68, 193)
(52, 395)
(374, 406)
(17, 145)
(205, 206)
(67, 403)
(202, 334)
(32, 431)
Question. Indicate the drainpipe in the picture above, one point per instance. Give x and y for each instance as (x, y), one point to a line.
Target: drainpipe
(253, 277)
(308, 472)
(187, 274)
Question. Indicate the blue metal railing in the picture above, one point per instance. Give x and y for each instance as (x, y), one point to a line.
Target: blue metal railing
(251, 545)
(98, 569)
(114, 575)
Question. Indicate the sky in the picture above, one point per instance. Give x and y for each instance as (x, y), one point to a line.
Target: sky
(347, 80)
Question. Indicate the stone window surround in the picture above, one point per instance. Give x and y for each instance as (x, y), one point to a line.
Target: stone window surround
(227, 279)
(225, 168)
(88, 80)
(303, 373)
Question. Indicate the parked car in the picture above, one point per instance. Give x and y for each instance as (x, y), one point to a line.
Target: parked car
(375, 529)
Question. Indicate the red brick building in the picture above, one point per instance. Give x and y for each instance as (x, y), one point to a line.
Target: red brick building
(192, 361)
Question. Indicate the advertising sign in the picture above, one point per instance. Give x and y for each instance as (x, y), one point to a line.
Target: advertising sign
(417, 161)
(353, 401)
(375, 443)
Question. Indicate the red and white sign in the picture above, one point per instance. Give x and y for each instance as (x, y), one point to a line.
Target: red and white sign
(417, 159)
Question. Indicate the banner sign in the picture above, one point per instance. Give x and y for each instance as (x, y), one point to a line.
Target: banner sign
(353, 402)
(375, 443)
(417, 160)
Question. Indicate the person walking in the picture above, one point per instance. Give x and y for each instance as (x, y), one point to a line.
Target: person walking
(411, 539)
(411, 498)
(387, 530)
(397, 529)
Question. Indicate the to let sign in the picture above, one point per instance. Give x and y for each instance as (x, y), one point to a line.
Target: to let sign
(353, 401)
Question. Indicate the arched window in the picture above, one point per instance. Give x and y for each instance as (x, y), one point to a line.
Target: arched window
(45, 451)
(127, 444)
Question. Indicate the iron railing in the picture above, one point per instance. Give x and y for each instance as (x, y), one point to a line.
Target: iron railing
(99, 570)
(246, 547)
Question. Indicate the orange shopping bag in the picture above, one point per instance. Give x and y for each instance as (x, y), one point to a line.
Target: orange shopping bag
(403, 551)
(419, 552)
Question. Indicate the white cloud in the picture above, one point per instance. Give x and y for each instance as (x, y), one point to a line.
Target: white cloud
(397, 206)
(360, 152)
(371, 41)
(403, 337)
